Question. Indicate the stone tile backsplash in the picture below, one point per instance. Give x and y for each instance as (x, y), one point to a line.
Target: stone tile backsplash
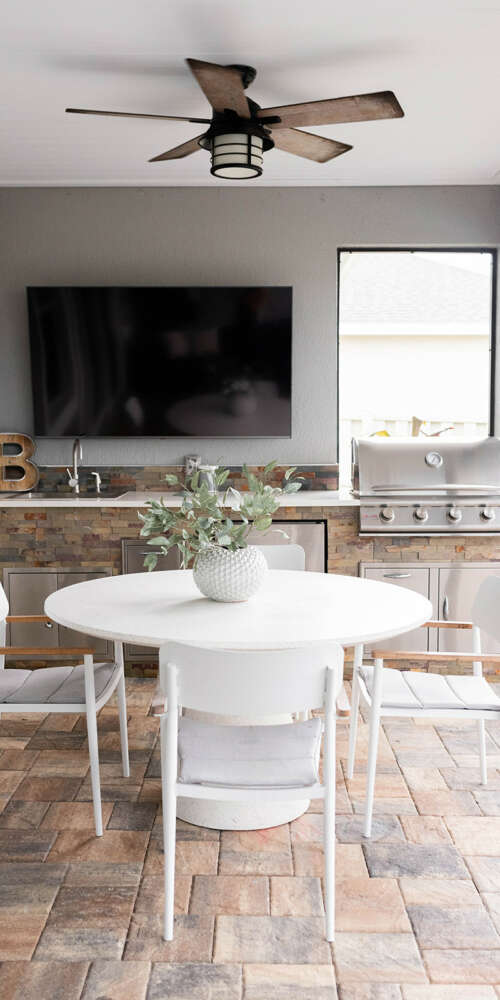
(140, 478)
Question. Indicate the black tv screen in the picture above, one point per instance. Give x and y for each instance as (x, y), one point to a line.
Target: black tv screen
(161, 362)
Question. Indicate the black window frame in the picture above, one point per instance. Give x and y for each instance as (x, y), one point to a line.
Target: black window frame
(493, 251)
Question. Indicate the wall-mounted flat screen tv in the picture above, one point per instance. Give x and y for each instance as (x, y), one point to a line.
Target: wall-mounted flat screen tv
(161, 362)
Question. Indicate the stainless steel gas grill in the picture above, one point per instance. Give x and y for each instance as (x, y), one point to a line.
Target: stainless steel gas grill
(427, 486)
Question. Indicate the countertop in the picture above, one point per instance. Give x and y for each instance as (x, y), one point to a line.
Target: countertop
(309, 498)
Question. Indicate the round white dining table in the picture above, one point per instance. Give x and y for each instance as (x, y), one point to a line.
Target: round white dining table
(291, 609)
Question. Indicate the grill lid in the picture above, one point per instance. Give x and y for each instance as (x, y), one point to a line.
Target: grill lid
(409, 466)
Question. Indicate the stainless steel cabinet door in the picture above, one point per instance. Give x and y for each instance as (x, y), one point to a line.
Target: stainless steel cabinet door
(417, 579)
(67, 636)
(26, 593)
(309, 537)
(458, 586)
(133, 552)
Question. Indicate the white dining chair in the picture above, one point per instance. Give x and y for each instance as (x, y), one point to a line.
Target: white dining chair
(389, 692)
(286, 556)
(263, 763)
(83, 689)
(277, 557)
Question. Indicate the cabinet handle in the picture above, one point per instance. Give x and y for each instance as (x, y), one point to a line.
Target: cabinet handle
(446, 608)
(397, 576)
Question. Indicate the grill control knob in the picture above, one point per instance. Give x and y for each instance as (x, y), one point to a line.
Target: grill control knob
(487, 514)
(420, 514)
(454, 514)
(386, 514)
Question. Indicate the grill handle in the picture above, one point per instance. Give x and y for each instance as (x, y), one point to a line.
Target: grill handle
(390, 488)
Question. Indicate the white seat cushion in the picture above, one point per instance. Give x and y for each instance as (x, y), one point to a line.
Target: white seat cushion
(56, 685)
(412, 690)
(251, 756)
(432, 690)
(395, 692)
(475, 692)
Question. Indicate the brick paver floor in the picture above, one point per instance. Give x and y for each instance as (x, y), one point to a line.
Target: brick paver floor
(418, 906)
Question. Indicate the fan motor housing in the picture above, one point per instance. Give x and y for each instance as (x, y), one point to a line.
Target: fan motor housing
(230, 123)
(247, 73)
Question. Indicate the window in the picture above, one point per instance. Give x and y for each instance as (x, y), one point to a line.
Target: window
(415, 344)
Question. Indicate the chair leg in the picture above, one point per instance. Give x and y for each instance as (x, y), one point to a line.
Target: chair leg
(373, 746)
(329, 851)
(169, 820)
(93, 745)
(482, 752)
(353, 725)
(122, 711)
(94, 770)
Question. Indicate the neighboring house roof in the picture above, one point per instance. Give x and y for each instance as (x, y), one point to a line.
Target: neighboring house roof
(406, 288)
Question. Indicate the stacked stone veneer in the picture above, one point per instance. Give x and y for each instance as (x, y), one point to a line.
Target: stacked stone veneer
(90, 538)
(314, 477)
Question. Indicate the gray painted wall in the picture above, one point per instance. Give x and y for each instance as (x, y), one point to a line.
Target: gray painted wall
(198, 236)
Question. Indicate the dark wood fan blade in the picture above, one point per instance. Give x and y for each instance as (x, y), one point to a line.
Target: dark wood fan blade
(312, 147)
(337, 110)
(221, 85)
(185, 149)
(133, 114)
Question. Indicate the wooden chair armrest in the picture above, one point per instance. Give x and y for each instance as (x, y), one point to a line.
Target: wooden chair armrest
(348, 654)
(27, 618)
(343, 705)
(438, 624)
(35, 651)
(395, 654)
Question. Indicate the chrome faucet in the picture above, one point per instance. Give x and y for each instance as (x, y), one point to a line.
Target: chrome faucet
(73, 478)
(98, 483)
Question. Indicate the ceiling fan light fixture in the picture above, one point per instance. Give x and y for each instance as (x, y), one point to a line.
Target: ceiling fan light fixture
(240, 131)
(237, 155)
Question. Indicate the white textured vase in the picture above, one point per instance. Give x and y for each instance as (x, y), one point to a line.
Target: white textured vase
(230, 576)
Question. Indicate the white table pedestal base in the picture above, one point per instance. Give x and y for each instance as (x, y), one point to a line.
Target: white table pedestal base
(239, 815)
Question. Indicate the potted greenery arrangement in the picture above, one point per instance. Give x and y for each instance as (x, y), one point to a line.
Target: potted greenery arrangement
(225, 566)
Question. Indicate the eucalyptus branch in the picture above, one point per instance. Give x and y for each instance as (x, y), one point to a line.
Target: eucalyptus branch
(200, 522)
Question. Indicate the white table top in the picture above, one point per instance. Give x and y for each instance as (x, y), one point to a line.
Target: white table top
(291, 609)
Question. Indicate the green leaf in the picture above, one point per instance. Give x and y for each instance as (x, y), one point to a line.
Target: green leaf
(220, 476)
(292, 487)
(263, 523)
(251, 479)
(159, 540)
(171, 479)
(232, 498)
(290, 472)
(270, 466)
(150, 561)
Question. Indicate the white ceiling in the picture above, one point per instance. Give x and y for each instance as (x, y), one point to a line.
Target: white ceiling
(439, 56)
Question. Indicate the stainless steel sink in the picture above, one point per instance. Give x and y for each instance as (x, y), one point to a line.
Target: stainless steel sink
(62, 495)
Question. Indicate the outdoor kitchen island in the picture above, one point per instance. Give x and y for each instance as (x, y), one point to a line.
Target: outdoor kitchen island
(46, 544)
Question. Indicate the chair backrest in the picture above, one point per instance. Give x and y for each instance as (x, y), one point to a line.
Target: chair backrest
(286, 556)
(4, 610)
(252, 683)
(486, 607)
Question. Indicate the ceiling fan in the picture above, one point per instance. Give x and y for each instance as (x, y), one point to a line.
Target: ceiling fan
(240, 131)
